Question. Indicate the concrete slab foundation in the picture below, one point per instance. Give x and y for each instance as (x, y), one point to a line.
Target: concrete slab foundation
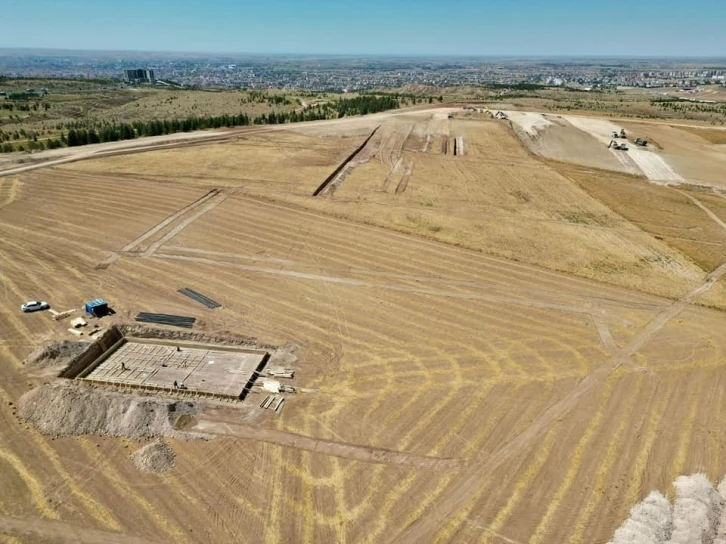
(213, 370)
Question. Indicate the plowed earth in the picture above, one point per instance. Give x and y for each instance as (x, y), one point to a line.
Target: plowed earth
(553, 401)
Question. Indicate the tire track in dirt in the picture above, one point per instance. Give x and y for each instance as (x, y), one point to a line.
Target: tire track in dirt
(541, 456)
(103, 467)
(55, 531)
(134, 244)
(524, 322)
(603, 474)
(477, 263)
(401, 187)
(574, 463)
(94, 508)
(337, 279)
(327, 447)
(319, 324)
(9, 190)
(698, 203)
(149, 233)
(466, 486)
(501, 418)
(527, 321)
(213, 203)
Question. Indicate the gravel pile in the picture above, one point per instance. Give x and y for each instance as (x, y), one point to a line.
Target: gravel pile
(62, 409)
(155, 458)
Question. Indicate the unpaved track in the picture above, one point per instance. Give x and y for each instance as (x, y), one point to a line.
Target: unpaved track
(384, 286)
(209, 206)
(585, 303)
(149, 233)
(209, 425)
(698, 203)
(154, 143)
(64, 532)
(423, 369)
(140, 145)
(471, 479)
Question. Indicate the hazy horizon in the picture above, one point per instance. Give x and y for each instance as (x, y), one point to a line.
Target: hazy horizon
(314, 54)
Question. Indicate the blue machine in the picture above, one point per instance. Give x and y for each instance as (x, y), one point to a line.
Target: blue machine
(97, 308)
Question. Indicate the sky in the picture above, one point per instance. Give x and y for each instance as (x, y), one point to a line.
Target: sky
(664, 28)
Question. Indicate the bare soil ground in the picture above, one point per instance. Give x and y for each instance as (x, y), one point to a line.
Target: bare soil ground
(715, 136)
(443, 385)
(501, 200)
(561, 141)
(698, 161)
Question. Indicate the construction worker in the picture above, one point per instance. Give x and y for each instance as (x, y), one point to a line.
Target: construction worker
(123, 366)
(175, 384)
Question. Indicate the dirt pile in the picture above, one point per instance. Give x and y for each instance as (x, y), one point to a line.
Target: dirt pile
(70, 409)
(224, 338)
(155, 458)
(696, 516)
(56, 354)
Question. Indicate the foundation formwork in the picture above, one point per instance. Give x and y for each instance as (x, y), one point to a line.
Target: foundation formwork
(151, 364)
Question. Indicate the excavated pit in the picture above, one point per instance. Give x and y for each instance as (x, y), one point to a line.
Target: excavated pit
(169, 365)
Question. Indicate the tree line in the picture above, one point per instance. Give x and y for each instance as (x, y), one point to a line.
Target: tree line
(92, 132)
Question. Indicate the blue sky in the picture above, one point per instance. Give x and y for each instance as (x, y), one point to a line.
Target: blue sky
(405, 27)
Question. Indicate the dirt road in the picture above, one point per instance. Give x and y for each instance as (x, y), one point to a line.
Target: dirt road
(213, 425)
(474, 477)
(58, 531)
(421, 347)
(55, 157)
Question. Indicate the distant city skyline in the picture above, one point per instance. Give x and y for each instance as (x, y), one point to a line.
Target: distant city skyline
(519, 28)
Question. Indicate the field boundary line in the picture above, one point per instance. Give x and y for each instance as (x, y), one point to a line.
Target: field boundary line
(156, 228)
(493, 299)
(475, 284)
(327, 447)
(216, 201)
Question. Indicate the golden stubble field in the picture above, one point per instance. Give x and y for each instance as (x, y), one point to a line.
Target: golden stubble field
(553, 402)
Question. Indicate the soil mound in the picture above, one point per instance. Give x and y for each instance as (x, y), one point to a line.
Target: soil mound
(69, 409)
(55, 354)
(155, 458)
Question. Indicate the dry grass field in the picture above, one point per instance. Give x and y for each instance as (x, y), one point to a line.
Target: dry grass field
(496, 198)
(491, 347)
